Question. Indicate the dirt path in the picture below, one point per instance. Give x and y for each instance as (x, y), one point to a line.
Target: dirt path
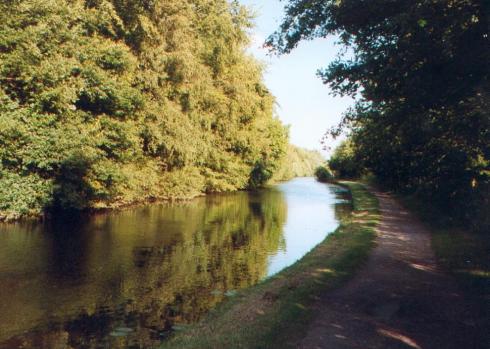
(399, 299)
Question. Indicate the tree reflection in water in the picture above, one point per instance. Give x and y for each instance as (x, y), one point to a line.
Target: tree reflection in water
(127, 279)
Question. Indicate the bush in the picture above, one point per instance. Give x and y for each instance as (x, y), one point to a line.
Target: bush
(323, 174)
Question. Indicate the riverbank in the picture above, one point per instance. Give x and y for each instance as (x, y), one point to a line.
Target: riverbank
(124, 279)
(98, 209)
(277, 312)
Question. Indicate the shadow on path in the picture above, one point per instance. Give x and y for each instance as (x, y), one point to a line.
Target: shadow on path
(400, 299)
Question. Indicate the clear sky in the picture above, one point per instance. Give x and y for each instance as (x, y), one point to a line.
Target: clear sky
(303, 100)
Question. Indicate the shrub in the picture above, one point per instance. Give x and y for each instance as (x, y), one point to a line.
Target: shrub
(323, 174)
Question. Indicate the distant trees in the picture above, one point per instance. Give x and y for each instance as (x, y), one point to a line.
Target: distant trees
(298, 162)
(345, 161)
(109, 102)
(419, 71)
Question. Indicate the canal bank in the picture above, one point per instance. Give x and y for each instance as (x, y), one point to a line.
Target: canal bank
(277, 312)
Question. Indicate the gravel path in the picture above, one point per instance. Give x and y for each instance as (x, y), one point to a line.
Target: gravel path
(400, 299)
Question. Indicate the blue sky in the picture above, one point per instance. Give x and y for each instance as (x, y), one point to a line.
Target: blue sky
(303, 100)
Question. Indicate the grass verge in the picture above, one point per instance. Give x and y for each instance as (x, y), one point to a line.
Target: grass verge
(276, 313)
(461, 252)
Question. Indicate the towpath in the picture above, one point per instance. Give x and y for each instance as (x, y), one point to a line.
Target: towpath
(399, 299)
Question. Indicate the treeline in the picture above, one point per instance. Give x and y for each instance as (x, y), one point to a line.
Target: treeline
(298, 162)
(419, 71)
(109, 102)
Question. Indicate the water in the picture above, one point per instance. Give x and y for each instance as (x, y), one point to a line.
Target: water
(128, 279)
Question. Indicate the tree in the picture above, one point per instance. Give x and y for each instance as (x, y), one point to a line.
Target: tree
(110, 102)
(344, 161)
(420, 73)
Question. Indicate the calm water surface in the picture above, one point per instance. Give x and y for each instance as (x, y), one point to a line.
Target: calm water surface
(128, 279)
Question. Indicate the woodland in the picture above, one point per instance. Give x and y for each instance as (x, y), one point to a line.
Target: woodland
(418, 72)
(106, 103)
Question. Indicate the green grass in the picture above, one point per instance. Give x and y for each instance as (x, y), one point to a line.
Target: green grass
(467, 256)
(461, 252)
(276, 313)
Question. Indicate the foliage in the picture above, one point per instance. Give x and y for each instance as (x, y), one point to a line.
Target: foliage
(323, 174)
(298, 162)
(345, 162)
(420, 73)
(109, 102)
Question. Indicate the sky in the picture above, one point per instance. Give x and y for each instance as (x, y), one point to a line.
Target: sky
(303, 100)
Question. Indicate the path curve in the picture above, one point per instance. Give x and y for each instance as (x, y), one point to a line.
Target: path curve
(399, 299)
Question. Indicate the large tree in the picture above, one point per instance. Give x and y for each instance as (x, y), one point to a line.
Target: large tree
(419, 70)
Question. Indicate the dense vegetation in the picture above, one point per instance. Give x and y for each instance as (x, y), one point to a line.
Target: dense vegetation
(345, 161)
(419, 70)
(323, 174)
(298, 162)
(109, 102)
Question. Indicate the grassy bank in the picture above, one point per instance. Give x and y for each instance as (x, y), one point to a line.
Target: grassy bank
(276, 313)
(461, 252)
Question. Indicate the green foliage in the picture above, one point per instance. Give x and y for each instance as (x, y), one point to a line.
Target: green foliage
(109, 102)
(22, 195)
(323, 174)
(345, 162)
(298, 162)
(419, 70)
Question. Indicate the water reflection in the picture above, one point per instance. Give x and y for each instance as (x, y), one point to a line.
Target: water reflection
(124, 280)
